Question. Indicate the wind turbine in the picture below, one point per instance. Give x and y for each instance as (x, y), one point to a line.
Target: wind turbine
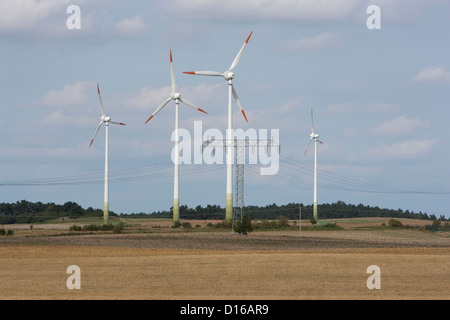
(175, 95)
(229, 76)
(314, 136)
(106, 120)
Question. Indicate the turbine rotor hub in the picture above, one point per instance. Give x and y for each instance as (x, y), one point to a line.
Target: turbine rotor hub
(228, 75)
(176, 95)
(106, 119)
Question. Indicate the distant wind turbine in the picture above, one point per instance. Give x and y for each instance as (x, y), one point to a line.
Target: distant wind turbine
(106, 120)
(314, 136)
(229, 76)
(175, 95)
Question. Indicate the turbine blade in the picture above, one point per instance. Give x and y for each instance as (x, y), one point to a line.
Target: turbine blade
(95, 134)
(238, 57)
(159, 108)
(312, 121)
(100, 99)
(120, 123)
(184, 101)
(172, 74)
(306, 150)
(205, 73)
(238, 102)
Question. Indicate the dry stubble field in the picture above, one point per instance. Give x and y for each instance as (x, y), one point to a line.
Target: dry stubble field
(164, 264)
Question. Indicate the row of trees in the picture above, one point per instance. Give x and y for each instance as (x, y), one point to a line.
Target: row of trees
(29, 212)
(33, 212)
(335, 210)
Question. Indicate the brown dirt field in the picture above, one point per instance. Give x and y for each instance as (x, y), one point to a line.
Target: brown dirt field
(169, 264)
(39, 272)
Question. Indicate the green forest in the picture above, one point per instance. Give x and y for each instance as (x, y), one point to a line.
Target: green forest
(35, 212)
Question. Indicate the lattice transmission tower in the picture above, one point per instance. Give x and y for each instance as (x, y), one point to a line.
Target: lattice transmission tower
(240, 147)
(238, 205)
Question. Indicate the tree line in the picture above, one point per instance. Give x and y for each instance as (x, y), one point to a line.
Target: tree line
(291, 211)
(34, 212)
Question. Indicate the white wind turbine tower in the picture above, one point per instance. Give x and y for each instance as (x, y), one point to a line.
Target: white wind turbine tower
(229, 75)
(106, 120)
(175, 95)
(314, 136)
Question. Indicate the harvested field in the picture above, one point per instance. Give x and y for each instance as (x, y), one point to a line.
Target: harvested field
(209, 264)
(220, 240)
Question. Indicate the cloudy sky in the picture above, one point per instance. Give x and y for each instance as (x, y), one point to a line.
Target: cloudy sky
(380, 99)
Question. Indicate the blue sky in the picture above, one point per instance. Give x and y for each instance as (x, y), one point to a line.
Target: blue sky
(380, 99)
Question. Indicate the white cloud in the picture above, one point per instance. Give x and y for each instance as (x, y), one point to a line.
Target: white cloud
(403, 11)
(69, 95)
(403, 150)
(207, 93)
(131, 26)
(356, 107)
(26, 14)
(432, 74)
(345, 85)
(299, 10)
(59, 118)
(400, 126)
(350, 133)
(290, 107)
(326, 40)
(46, 19)
(69, 103)
(148, 98)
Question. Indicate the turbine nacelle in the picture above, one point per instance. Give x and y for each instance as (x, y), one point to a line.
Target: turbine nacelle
(105, 118)
(228, 75)
(314, 136)
(175, 95)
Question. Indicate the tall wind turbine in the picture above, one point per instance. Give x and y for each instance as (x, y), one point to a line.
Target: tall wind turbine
(175, 95)
(106, 120)
(229, 76)
(314, 136)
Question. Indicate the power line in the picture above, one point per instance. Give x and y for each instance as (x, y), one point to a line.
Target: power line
(291, 170)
